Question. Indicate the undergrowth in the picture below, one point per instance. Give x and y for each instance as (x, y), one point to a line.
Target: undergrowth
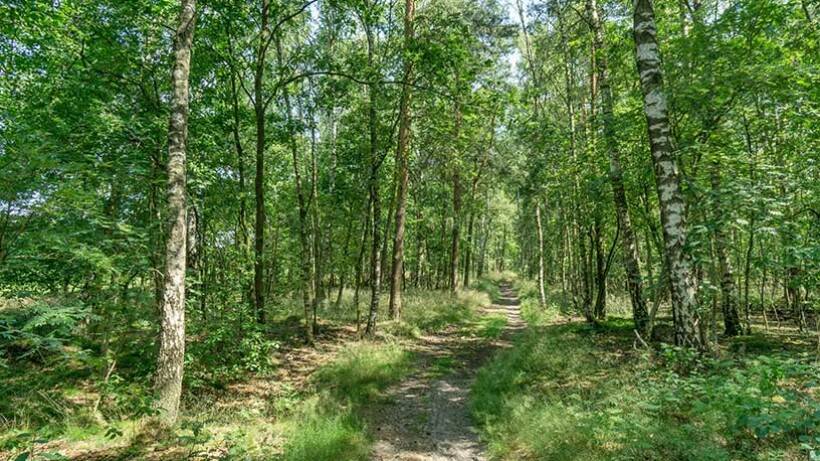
(569, 391)
(233, 408)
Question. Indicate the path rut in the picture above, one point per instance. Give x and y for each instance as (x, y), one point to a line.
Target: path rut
(426, 417)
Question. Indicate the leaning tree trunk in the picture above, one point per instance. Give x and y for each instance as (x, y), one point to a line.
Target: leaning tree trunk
(688, 330)
(171, 357)
(402, 153)
(629, 246)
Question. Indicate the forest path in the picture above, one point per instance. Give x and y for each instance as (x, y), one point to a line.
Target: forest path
(426, 417)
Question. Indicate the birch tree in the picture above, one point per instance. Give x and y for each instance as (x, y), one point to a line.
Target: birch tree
(168, 378)
(688, 329)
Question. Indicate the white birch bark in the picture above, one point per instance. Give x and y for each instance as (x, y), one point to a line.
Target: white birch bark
(168, 378)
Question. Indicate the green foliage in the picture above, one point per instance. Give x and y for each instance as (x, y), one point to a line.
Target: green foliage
(223, 357)
(41, 327)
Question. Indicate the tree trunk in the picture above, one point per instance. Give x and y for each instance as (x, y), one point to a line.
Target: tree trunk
(359, 264)
(731, 319)
(456, 203)
(629, 245)
(468, 250)
(316, 226)
(402, 154)
(388, 221)
(171, 357)
(485, 235)
(600, 270)
(542, 297)
(259, 183)
(375, 163)
(688, 329)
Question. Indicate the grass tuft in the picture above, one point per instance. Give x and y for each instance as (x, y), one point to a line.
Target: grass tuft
(364, 369)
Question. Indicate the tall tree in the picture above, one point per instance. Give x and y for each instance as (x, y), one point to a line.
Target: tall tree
(542, 297)
(171, 357)
(402, 164)
(259, 107)
(688, 329)
(629, 245)
(375, 161)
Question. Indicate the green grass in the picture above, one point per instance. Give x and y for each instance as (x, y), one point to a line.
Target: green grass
(362, 370)
(432, 311)
(321, 420)
(574, 392)
(489, 326)
(319, 431)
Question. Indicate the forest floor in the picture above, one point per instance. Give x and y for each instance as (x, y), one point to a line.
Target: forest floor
(459, 378)
(426, 417)
(401, 397)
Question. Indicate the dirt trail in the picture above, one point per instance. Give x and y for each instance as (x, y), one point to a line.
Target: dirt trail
(426, 416)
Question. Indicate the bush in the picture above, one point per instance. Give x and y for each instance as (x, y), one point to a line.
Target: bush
(40, 328)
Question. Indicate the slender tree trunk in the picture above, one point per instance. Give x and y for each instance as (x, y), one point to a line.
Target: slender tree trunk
(388, 221)
(327, 250)
(344, 272)
(154, 213)
(688, 327)
(456, 203)
(240, 165)
(171, 357)
(402, 154)
(375, 203)
(581, 267)
(318, 256)
(629, 245)
(600, 270)
(542, 297)
(485, 236)
(259, 184)
(359, 265)
(731, 319)
(468, 250)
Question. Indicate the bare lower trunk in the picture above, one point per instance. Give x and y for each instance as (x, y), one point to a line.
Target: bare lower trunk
(600, 271)
(731, 319)
(688, 328)
(318, 257)
(542, 297)
(468, 251)
(456, 237)
(171, 357)
(359, 264)
(586, 275)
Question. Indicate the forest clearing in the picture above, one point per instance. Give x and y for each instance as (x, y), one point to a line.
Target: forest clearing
(410, 230)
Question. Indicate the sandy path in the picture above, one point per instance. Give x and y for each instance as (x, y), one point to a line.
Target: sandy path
(426, 417)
